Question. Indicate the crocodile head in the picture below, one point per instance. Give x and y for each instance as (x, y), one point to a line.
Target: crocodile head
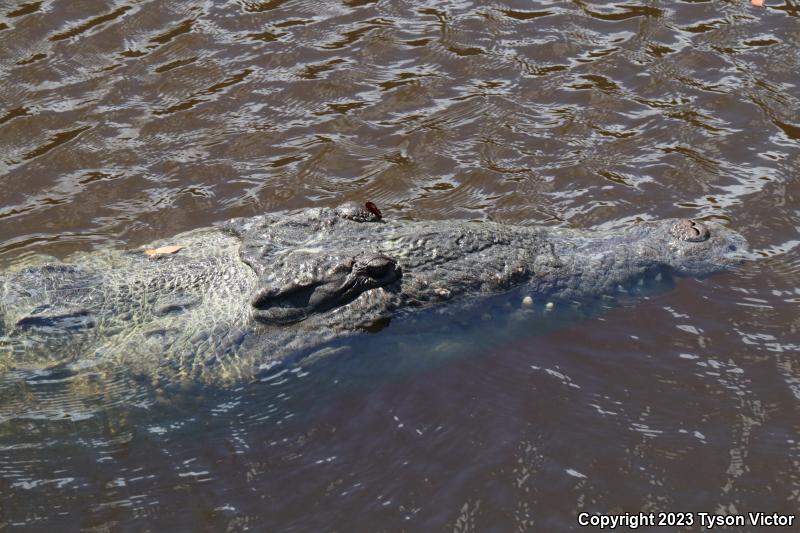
(694, 248)
(336, 287)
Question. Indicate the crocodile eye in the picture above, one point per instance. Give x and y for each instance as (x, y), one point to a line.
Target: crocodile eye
(378, 266)
(690, 230)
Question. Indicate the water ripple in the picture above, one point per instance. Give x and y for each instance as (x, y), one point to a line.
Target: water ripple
(126, 121)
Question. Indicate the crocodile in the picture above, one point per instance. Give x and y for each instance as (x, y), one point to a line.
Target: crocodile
(247, 293)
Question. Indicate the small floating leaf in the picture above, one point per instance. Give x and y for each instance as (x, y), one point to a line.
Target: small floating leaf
(757, 3)
(372, 208)
(164, 250)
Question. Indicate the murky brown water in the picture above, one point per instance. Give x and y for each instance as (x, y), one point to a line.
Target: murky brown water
(122, 122)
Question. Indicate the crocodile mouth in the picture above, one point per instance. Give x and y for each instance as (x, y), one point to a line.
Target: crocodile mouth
(339, 286)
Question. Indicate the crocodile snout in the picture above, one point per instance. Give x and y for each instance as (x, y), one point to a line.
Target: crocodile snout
(702, 248)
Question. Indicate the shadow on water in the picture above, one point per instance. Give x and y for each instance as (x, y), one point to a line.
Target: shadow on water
(417, 342)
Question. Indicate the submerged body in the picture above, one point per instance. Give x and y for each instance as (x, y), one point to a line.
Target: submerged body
(253, 291)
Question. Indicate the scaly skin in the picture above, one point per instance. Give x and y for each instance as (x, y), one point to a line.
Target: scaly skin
(253, 291)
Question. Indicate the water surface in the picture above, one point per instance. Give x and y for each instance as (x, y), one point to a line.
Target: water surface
(126, 121)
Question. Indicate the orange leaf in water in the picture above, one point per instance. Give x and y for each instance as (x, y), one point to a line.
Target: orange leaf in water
(164, 250)
(757, 3)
